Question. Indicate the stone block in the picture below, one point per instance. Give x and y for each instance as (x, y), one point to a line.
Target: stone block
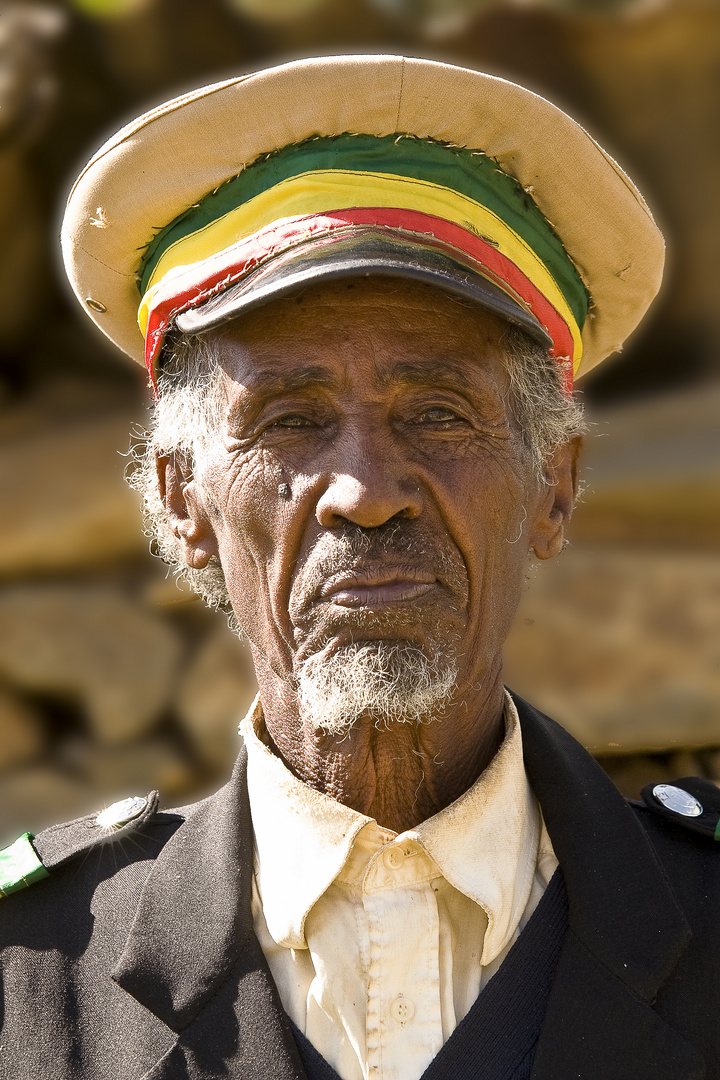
(651, 471)
(65, 499)
(22, 736)
(31, 799)
(621, 646)
(133, 769)
(214, 696)
(92, 645)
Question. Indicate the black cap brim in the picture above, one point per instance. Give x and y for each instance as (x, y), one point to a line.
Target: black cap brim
(362, 253)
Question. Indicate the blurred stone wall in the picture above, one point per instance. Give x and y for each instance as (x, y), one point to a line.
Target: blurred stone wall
(112, 679)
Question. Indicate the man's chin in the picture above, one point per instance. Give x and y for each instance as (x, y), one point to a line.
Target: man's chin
(388, 681)
(335, 629)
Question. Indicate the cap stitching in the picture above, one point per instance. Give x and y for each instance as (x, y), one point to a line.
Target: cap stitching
(400, 95)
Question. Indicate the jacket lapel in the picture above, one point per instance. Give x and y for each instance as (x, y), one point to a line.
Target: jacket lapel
(595, 1028)
(626, 930)
(192, 957)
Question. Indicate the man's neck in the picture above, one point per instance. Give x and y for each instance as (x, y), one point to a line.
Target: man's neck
(399, 774)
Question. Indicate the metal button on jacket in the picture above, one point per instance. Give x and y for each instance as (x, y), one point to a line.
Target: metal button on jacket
(121, 812)
(676, 799)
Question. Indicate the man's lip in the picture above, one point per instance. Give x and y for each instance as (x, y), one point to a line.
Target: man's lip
(377, 588)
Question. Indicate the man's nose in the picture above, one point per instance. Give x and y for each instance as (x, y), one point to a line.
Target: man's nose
(369, 495)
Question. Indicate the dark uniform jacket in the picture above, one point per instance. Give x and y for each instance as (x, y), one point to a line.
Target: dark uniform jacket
(136, 957)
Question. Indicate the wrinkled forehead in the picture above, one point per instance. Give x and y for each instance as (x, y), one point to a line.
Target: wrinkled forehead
(392, 331)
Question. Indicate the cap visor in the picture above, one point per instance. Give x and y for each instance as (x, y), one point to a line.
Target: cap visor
(369, 254)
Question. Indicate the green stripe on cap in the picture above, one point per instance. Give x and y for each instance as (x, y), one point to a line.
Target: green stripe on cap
(20, 866)
(468, 172)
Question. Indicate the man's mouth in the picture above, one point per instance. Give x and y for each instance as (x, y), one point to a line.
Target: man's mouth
(377, 588)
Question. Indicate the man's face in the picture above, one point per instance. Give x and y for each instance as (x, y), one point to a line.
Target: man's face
(370, 497)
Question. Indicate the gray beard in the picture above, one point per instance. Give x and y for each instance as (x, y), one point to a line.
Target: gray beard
(389, 682)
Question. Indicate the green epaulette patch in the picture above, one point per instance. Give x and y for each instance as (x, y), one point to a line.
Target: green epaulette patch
(20, 866)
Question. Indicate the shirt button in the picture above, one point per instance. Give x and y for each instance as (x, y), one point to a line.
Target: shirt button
(402, 1010)
(393, 858)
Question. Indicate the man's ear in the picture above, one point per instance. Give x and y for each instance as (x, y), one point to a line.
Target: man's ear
(186, 510)
(557, 500)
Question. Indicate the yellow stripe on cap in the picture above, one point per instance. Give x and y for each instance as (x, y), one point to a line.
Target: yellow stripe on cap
(326, 190)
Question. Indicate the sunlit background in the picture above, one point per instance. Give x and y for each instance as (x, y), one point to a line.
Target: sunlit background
(112, 681)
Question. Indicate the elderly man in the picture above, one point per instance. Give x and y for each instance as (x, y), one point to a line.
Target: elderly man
(365, 285)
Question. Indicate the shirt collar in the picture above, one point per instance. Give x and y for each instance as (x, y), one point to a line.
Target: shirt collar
(485, 844)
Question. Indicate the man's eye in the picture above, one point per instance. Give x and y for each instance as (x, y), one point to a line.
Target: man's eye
(293, 420)
(439, 415)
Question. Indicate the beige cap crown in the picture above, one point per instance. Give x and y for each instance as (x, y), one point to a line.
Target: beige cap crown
(162, 163)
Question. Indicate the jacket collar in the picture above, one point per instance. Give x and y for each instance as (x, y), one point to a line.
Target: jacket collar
(191, 956)
(193, 918)
(621, 905)
(626, 930)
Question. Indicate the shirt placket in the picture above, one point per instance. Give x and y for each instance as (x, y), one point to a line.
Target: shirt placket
(403, 1020)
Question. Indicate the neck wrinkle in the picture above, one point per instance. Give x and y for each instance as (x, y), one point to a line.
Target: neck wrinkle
(398, 775)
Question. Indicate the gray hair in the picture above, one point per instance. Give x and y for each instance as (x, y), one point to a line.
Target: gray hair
(190, 407)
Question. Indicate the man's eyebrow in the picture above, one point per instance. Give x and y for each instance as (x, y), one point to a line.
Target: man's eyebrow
(266, 382)
(424, 374)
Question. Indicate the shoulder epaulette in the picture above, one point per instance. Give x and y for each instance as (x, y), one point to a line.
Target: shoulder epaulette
(691, 802)
(20, 866)
(31, 858)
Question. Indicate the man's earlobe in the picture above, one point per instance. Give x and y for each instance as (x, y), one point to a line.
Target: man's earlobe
(186, 510)
(557, 501)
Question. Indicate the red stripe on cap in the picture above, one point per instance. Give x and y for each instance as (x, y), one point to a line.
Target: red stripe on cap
(187, 287)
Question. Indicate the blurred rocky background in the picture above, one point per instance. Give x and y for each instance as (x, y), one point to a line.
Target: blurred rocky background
(112, 679)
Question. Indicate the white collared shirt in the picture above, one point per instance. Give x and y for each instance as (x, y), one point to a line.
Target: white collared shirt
(380, 943)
